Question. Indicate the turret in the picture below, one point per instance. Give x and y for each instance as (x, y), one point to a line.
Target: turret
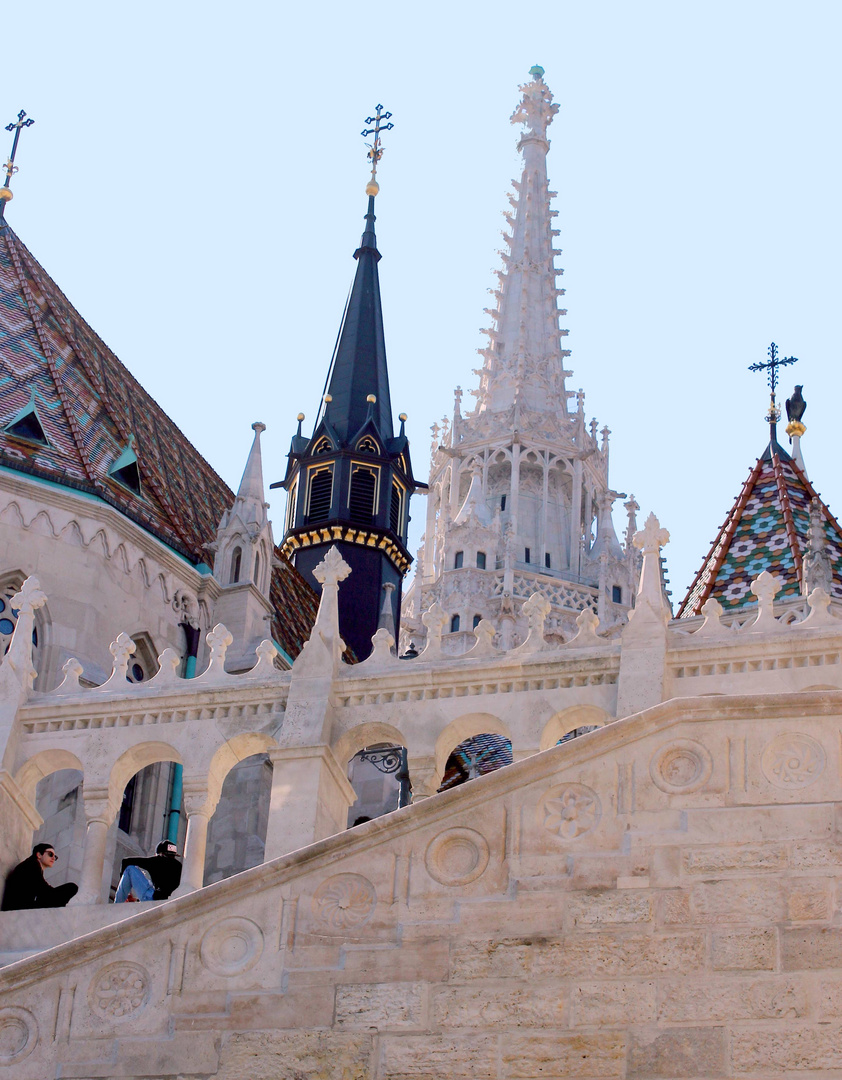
(349, 484)
(243, 553)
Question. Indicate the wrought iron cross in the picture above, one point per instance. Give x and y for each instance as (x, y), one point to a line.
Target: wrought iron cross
(375, 149)
(10, 166)
(771, 367)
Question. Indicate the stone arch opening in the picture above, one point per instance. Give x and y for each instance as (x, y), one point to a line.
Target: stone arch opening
(52, 781)
(376, 758)
(471, 746)
(571, 723)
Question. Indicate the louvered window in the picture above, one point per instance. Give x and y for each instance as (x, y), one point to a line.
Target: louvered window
(363, 491)
(321, 491)
(395, 509)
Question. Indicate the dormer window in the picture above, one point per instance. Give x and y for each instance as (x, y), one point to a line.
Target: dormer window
(125, 469)
(367, 445)
(27, 424)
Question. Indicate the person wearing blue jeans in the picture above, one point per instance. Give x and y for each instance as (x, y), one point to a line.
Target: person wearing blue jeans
(155, 878)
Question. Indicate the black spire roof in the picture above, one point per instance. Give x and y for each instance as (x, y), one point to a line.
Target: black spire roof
(359, 366)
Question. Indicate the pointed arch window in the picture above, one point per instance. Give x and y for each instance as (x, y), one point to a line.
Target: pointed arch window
(480, 560)
(292, 498)
(362, 496)
(323, 446)
(236, 565)
(477, 621)
(454, 624)
(320, 493)
(256, 577)
(367, 445)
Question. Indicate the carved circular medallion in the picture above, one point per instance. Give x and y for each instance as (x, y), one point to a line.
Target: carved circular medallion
(570, 811)
(343, 902)
(793, 761)
(232, 946)
(18, 1035)
(457, 857)
(681, 766)
(119, 991)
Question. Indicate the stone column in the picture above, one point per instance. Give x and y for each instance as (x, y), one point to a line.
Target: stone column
(422, 775)
(99, 814)
(198, 808)
(542, 520)
(576, 517)
(513, 516)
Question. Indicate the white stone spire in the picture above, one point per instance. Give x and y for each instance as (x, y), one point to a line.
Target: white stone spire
(519, 499)
(524, 361)
(244, 550)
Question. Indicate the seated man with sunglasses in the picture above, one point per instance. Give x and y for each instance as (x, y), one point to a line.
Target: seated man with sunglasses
(26, 887)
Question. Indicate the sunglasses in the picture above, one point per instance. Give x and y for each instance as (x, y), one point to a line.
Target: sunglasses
(52, 854)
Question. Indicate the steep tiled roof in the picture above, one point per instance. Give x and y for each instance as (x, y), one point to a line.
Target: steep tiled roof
(94, 416)
(767, 529)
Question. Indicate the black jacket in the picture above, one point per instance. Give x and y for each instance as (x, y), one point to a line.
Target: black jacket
(26, 888)
(164, 870)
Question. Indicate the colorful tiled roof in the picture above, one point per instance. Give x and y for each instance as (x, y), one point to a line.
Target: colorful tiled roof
(767, 528)
(95, 418)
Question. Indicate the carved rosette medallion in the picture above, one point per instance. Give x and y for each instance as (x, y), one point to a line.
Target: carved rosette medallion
(119, 991)
(681, 766)
(456, 857)
(232, 946)
(793, 761)
(343, 902)
(18, 1035)
(570, 811)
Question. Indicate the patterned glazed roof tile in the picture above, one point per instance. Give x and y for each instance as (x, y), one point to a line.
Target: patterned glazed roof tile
(767, 528)
(91, 408)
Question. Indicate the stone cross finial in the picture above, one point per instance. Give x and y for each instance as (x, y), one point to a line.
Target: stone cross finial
(435, 619)
(332, 569)
(121, 650)
(29, 598)
(765, 587)
(651, 538)
(218, 641)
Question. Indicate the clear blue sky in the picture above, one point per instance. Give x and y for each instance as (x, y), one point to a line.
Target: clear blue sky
(194, 182)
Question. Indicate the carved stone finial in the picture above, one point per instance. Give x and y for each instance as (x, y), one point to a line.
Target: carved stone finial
(168, 663)
(434, 619)
(218, 641)
(587, 621)
(266, 652)
(72, 670)
(820, 615)
(484, 632)
(121, 650)
(29, 598)
(712, 611)
(765, 587)
(817, 565)
(382, 644)
(651, 537)
(332, 569)
(535, 109)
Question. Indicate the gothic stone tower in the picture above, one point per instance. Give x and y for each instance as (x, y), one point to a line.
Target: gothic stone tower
(349, 484)
(519, 497)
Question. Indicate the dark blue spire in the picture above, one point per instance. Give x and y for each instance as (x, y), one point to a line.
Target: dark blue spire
(359, 367)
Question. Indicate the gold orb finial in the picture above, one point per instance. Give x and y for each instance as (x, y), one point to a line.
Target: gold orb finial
(402, 417)
(300, 416)
(6, 194)
(795, 427)
(371, 399)
(372, 187)
(327, 399)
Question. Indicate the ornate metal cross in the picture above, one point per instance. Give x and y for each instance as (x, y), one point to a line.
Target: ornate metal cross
(375, 149)
(771, 367)
(10, 166)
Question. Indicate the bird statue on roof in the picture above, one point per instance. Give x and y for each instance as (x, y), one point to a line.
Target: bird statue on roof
(795, 405)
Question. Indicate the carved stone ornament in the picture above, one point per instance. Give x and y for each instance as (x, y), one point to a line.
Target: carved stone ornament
(232, 946)
(343, 902)
(570, 811)
(457, 857)
(119, 991)
(681, 766)
(18, 1035)
(793, 761)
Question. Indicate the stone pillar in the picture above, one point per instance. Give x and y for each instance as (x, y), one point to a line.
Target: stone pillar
(576, 517)
(422, 775)
(99, 813)
(643, 650)
(513, 516)
(542, 521)
(199, 808)
(310, 799)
